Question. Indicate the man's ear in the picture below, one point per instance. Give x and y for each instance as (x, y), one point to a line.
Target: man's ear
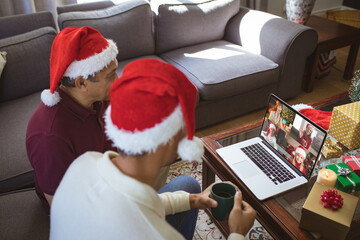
(80, 83)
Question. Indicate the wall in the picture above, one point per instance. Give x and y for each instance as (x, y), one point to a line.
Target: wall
(277, 7)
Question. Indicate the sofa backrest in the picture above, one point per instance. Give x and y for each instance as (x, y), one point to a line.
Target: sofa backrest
(22, 23)
(84, 6)
(181, 23)
(129, 24)
(27, 68)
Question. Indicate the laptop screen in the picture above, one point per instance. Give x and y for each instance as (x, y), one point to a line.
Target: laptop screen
(292, 135)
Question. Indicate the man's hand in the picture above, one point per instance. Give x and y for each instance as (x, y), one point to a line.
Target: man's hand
(242, 216)
(202, 200)
(301, 133)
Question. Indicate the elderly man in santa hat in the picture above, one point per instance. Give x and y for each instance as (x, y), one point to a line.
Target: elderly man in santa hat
(110, 195)
(69, 120)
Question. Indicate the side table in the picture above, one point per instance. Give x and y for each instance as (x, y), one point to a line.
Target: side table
(331, 35)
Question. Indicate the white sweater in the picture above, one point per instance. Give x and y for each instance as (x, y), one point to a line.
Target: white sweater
(97, 201)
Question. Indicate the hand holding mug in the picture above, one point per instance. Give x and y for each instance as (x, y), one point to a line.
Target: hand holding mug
(202, 200)
(242, 216)
(223, 193)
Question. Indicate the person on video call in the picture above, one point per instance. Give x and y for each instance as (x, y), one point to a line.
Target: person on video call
(270, 134)
(304, 137)
(299, 158)
(110, 195)
(275, 114)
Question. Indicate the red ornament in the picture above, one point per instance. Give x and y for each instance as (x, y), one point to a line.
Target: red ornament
(331, 199)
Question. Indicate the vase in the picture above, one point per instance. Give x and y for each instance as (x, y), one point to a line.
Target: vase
(299, 11)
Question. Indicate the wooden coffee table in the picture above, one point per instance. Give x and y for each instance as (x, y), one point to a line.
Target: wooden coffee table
(276, 214)
(331, 35)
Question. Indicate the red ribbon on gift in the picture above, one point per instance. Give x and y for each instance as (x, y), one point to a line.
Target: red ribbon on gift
(331, 199)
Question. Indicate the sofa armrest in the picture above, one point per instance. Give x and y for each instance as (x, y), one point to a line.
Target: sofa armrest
(284, 42)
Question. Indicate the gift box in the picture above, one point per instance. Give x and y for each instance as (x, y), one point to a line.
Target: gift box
(347, 180)
(331, 149)
(353, 162)
(345, 124)
(328, 223)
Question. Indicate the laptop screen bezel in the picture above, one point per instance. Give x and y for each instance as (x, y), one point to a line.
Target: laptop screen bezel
(318, 128)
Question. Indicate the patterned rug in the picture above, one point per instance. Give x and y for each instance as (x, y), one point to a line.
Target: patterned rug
(205, 228)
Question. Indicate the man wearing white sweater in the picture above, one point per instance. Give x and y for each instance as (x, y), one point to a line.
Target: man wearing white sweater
(150, 120)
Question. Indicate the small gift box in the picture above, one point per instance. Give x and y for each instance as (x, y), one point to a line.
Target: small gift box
(331, 149)
(329, 223)
(347, 180)
(345, 124)
(353, 162)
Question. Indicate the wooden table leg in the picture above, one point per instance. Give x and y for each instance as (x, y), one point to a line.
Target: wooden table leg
(350, 63)
(312, 64)
(208, 176)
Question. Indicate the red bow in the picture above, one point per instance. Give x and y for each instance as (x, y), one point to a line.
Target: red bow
(331, 199)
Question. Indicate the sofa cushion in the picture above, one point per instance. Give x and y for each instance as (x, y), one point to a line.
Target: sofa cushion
(22, 216)
(221, 69)
(28, 63)
(129, 24)
(84, 6)
(21, 23)
(15, 116)
(174, 22)
(123, 63)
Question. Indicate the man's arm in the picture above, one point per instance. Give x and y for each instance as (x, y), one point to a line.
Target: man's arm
(50, 157)
(175, 202)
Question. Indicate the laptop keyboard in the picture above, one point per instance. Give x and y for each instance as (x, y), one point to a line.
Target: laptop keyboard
(268, 164)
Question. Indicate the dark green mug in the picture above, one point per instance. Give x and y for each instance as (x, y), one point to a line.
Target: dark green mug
(224, 194)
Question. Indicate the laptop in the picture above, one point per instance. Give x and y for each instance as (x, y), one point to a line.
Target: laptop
(282, 157)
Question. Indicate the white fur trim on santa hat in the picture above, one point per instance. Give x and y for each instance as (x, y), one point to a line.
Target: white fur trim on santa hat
(148, 140)
(191, 150)
(300, 106)
(272, 126)
(301, 152)
(50, 99)
(91, 65)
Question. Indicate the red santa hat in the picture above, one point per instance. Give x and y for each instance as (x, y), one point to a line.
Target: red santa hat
(321, 118)
(271, 126)
(77, 52)
(301, 150)
(149, 104)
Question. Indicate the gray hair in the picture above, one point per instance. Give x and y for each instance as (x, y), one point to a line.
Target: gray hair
(70, 82)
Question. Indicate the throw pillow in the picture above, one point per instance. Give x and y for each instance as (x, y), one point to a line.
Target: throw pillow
(2, 61)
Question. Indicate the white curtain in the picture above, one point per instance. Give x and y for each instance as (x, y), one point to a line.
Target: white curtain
(13, 7)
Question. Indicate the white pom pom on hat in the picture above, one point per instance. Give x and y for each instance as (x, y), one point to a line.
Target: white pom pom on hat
(87, 52)
(50, 99)
(191, 149)
(149, 104)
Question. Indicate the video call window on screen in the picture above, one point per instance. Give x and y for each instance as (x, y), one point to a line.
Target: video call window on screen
(292, 136)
